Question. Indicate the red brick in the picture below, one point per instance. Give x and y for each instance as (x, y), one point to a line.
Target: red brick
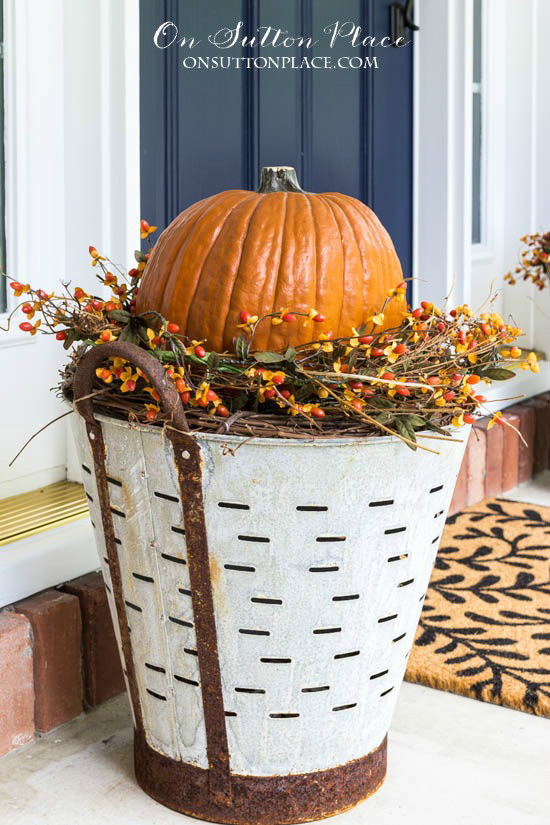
(56, 628)
(542, 433)
(102, 669)
(494, 456)
(510, 455)
(476, 464)
(459, 496)
(16, 682)
(527, 423)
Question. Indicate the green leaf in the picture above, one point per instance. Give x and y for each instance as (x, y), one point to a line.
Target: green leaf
(499, 374)
(290, 354)
(414, 421)
(119, 315)
(140, 256)
(70, 339)
(381, 402)
(383, 418)
(241, 345)
(129, 334)
(405, 431)
(352, 359)
(269, 357)
(212, 361)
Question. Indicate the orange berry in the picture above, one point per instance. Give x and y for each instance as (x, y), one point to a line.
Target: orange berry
(269, 393)
(131, 385)
(105, 335)
(473, 379)
(366, 339)
(180, 385)
(26, 326)
(486, 329)
(200, 352)
(26, 308)
(389, 376)
(133, 273)
(278, 378)
(97, 305)
(416, 313)
(434, 380)
(244, 316)
(377, 352)
(469, 419)
(109, 306)
(448, 396)
(221, 410)
(16, 285)
(144, 226)
(400, 349)
(355, 385)
(480, 398)
(151, 415)
(61, 335)
(441, 326)
(286, 394)
(172, 328)
(403, 391)
(185, 397)
(288, 317)
(317, 412)
(211, 395)
(318, 319)
(109, 278)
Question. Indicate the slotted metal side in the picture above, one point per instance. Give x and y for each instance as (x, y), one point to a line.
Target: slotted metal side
(320, 555)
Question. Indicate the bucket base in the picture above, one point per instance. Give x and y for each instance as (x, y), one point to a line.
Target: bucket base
(259, 800)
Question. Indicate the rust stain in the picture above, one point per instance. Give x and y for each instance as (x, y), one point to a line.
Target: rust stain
(259, 800)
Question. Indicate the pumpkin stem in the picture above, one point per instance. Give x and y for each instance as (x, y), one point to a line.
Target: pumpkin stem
(278, 179)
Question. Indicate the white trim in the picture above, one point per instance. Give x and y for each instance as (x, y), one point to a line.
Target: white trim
(442, 151)
(46, 560)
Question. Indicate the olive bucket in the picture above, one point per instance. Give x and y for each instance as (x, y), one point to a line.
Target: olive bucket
(265, 595)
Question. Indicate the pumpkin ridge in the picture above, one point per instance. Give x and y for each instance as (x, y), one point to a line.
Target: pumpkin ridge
(374, 234)
(290, 287)
(229, 323)
(328, 201)
(381, 243)
(364, 261)
(199, 274)
(276, 279)
(195, 304)
(169, 285)
(314, 230)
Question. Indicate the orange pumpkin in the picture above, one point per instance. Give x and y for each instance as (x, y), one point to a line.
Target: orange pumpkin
(279, 247)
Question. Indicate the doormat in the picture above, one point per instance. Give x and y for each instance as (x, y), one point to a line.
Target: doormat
(484, 631)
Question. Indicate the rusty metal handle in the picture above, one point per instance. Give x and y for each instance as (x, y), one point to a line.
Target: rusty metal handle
(151, 368)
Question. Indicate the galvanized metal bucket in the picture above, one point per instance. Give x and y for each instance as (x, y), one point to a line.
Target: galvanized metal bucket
(265, 595)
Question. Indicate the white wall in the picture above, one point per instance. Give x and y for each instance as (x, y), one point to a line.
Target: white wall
(519, 186)
(72, 179)
(518, 170)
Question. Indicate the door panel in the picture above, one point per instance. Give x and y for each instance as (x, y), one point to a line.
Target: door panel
(205, 130)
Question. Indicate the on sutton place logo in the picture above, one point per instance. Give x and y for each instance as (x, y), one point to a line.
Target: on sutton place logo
(347, 33)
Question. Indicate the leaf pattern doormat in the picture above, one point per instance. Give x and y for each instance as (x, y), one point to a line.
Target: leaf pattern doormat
(484, 631)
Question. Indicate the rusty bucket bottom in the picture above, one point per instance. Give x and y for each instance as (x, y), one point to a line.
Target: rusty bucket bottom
(258, 800)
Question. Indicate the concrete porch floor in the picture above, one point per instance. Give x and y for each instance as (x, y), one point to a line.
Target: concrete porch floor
(450, 759)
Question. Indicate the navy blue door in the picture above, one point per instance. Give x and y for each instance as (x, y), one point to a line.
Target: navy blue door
(208, 129)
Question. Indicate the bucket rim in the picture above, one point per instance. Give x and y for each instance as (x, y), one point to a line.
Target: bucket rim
(229, 438)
